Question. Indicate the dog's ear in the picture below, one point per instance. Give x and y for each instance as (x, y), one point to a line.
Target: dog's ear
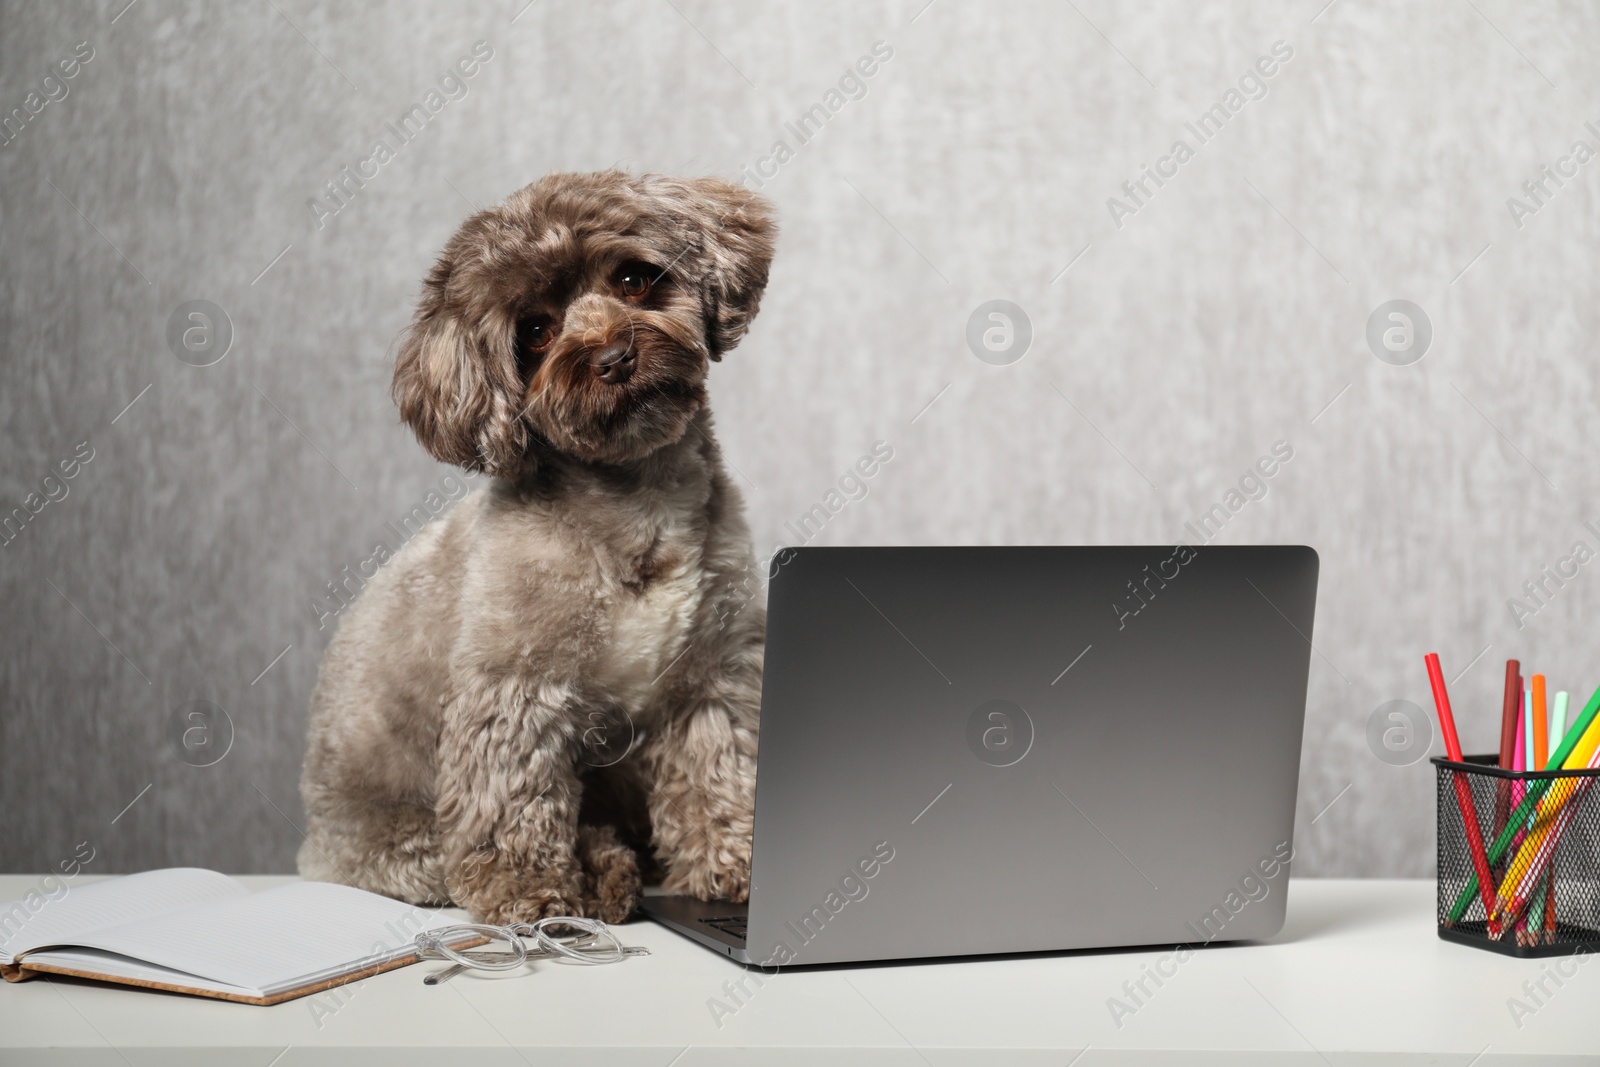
(737, 233)
(448, 379)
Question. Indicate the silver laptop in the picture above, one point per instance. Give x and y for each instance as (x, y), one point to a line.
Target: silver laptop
(1000, 750)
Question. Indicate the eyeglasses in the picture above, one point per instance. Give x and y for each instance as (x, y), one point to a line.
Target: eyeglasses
(502, 948)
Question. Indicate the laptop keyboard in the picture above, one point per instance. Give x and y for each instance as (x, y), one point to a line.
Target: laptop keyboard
(732, 925)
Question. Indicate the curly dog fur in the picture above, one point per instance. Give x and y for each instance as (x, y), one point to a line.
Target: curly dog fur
(464, 744)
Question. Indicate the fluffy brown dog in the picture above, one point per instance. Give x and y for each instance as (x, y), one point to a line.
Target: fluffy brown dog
(471, 701)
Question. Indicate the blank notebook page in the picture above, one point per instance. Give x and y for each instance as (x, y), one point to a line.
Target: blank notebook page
(274, 940)
(110, 902)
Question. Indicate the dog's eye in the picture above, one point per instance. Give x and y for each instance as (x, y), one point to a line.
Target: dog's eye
(534, 335)
(636, 280)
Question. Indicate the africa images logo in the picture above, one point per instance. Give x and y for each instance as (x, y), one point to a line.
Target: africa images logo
(999, 732)
(1399, 332)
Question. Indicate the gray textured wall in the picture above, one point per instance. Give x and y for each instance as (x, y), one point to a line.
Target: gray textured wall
(1226, 312)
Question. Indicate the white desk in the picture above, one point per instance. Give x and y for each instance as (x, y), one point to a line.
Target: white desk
(1357, 977)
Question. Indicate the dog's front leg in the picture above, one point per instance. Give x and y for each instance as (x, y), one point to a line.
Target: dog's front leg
(703, 766)
(508, 803)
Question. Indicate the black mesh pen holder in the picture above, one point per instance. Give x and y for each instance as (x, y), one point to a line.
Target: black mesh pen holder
(1541, 844)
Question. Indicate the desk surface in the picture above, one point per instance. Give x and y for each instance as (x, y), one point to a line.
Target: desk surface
(1357, 976)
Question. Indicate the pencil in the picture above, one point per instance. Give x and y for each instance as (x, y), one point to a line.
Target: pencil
(1527, 931)
(1536, 789)
(1541, 725)
(1527, 730)
(1508, 712)
(1534, 858)
(1581, 742)
(1549, 937)
(1584, 754)
(1469, 814)
(1555, 809)
(1519, 788)
(1558, 727)
(1508, 739)
(1519, 759)
(1558, 717)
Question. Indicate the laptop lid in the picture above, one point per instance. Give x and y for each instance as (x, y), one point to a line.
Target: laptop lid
(988, 750)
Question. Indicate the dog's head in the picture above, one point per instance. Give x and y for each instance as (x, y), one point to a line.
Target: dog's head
(580, 316)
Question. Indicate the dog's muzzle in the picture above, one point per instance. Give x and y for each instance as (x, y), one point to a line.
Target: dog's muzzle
(614, 363)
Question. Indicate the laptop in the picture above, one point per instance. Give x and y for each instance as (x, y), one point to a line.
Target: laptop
(998, 750)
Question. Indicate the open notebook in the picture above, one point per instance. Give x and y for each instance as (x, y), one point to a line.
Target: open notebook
(195, 931)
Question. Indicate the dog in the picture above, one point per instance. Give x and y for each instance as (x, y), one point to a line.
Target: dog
(590, 603)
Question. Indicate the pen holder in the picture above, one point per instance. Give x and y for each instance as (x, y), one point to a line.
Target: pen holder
(1540, 834)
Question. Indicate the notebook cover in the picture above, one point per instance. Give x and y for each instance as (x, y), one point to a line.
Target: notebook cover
(22, 970)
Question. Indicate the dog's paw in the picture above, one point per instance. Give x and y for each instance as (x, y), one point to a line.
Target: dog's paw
(611, 874)
(732, 883)
(536, 896)
(500, 894)
(708, 881)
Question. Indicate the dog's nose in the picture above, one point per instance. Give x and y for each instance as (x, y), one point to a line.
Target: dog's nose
(613, 364)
